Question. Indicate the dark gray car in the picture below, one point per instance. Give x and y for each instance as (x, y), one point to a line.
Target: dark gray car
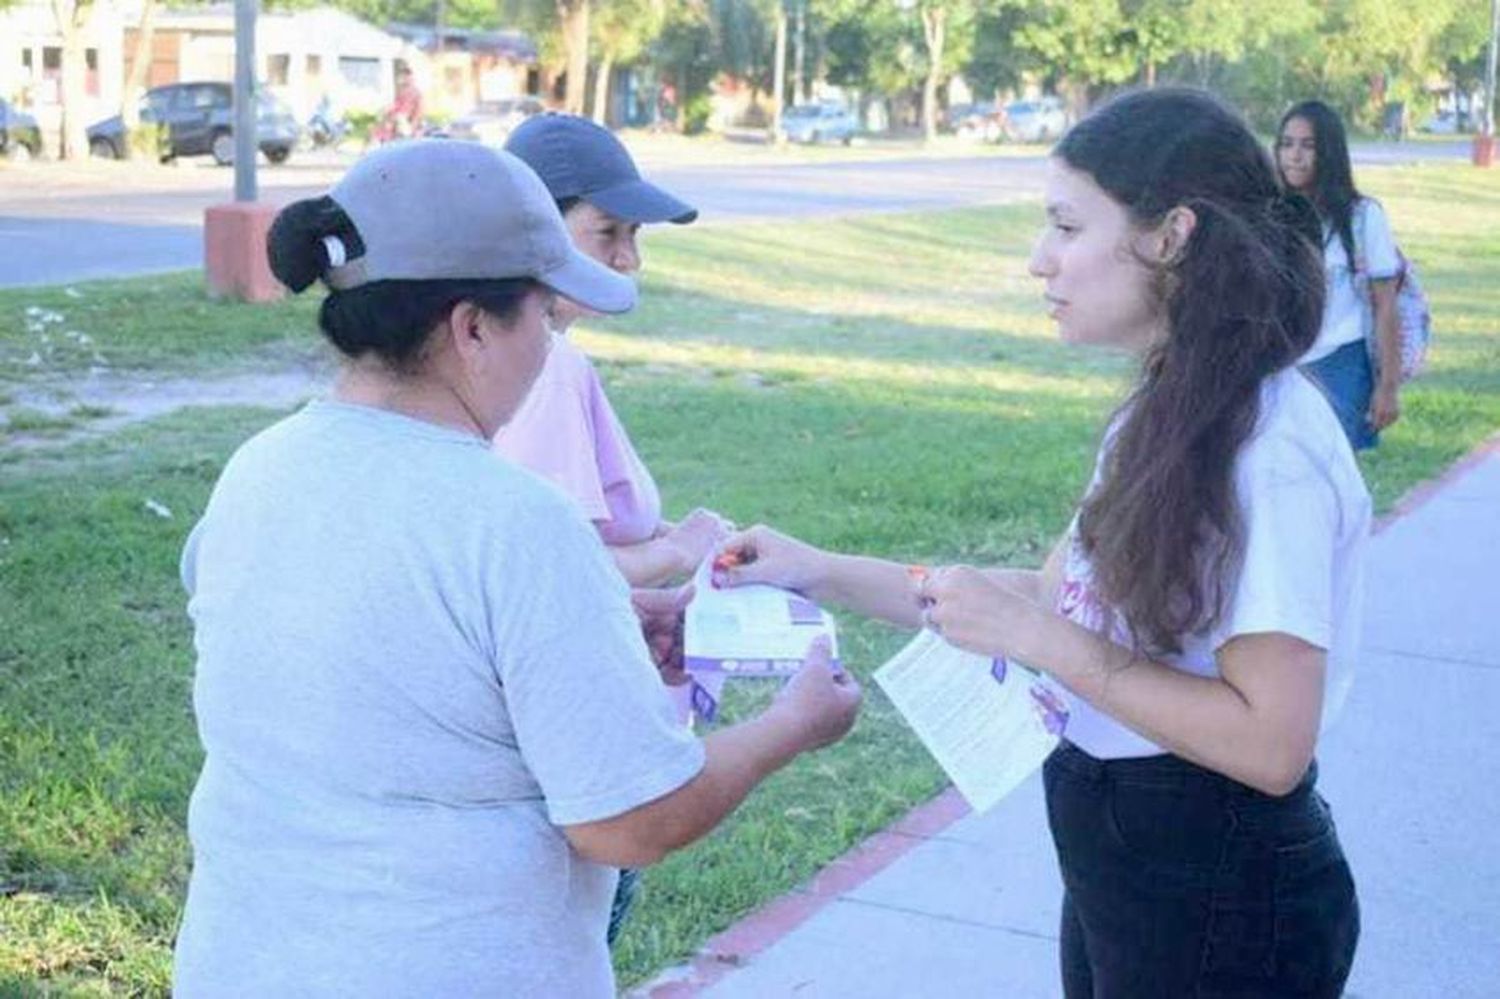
(199, 120)
(20, 139)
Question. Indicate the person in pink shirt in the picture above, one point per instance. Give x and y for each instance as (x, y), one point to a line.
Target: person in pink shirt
(567, 431)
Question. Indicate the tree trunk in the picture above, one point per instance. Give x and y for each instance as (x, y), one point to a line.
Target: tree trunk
(934, 30)
(601, 89)
(799, 81)
(574, 15)
(778, 77)
(1150, 73)
(135, 77)
(72, 17)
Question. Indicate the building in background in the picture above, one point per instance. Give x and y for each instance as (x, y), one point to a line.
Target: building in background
(464, 68)
(31, 51)
(302, 56)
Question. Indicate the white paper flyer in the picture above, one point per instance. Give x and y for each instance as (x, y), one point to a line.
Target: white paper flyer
(753, 630)
(989, 723)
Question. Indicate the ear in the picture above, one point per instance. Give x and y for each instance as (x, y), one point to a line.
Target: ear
(1172, 236)
(468, 330)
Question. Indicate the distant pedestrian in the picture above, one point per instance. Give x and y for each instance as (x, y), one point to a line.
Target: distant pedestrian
(404, 119)
(1199, 619)
(1357, 356)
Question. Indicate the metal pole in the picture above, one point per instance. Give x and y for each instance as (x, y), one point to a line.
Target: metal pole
(245, 12)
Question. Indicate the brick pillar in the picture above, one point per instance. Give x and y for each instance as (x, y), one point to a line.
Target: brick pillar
(234, 252)
(1484, 150)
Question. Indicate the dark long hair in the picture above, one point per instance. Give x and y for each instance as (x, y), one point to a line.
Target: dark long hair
(1242, 301)
(1333, 193)
(389, 319)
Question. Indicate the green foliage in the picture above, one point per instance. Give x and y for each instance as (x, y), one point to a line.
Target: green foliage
(621, 30)
(148, 140)
(1084, 41)
(695, 114)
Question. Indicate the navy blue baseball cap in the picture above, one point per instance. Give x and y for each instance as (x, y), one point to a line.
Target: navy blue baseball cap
(577, 158)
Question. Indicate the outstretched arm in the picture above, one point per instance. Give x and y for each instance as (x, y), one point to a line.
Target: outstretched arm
(1256, 722)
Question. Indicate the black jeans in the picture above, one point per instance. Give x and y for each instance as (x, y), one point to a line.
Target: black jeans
(1181, 882)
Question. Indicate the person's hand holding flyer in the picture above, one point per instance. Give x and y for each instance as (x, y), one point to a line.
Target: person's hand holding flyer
(751, 630)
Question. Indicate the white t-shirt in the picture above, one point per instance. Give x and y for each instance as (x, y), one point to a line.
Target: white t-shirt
(415, 662)
(1347, 311)
(1306, 516)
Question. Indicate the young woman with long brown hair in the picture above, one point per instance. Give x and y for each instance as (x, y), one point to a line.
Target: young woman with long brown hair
(1199, 615)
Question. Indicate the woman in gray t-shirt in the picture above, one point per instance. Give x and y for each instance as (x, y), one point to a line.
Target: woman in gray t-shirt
(432, 726)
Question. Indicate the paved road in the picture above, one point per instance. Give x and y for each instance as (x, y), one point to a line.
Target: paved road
(87, 232)
(115, 221)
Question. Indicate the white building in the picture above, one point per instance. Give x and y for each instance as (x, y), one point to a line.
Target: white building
(31, 63)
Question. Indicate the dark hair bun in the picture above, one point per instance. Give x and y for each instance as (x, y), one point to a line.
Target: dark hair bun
(294, 245)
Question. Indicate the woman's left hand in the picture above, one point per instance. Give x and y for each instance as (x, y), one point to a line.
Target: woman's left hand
(1385, 404)
(970, 610)
(661, 614)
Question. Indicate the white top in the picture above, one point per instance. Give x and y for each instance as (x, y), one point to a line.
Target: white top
(1347, 311)
(415, 662)
(1306, 516)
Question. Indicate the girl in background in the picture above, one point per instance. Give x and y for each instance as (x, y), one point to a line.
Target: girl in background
(1357, 356)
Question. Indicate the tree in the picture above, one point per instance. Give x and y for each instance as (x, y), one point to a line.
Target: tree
(934, 14)
(622, 29)
(1085, 42)
(573, 16)
(73, 17)
(560, 29)
(947, 38)
(684, 50)
(135, 76)
(1155, 29)
(995, 61)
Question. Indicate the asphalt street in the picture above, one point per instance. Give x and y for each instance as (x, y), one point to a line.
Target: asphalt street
(72, 226)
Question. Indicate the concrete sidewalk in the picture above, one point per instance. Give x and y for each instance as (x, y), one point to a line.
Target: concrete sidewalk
(950, 903)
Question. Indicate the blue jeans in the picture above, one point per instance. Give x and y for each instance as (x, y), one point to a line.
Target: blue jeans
(1181, 882)
(1348, 380)
(624, 900)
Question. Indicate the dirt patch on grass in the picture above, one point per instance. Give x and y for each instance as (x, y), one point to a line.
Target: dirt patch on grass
(103, 402)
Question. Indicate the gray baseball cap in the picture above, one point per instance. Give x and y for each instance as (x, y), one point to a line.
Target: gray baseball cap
(577, 158)
(434, 209)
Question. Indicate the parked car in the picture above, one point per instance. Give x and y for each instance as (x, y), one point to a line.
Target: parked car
(1039, 120)
(1446, 123)
(199, 121)
(981, 122)
(491, 121)
(20, 139)
(813, 123)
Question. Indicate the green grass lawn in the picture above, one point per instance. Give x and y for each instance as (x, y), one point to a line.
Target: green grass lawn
(886, 384)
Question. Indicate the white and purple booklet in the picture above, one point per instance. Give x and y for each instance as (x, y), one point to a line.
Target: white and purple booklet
(753, 630)
(988, 722)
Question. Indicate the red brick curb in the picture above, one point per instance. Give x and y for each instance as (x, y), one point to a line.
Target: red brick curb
(740, 943)
(1424, 492)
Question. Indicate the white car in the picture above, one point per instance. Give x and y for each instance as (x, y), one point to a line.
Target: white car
(491, 122)
(1445, 123)
(822, 122)
(1040, 120)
